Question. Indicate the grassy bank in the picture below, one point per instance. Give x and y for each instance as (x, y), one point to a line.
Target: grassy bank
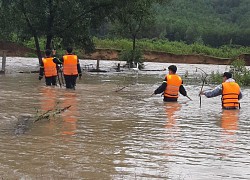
(228, 51)
(179, 48)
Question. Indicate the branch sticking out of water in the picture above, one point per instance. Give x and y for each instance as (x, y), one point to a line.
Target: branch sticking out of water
(50, 113)
(120, 89)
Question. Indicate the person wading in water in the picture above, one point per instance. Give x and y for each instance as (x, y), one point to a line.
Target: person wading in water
(171, 86)
(230, 91)
(49, 69)
(71, 68)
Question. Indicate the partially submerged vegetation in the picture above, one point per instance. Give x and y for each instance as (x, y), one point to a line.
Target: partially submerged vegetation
(26, 122)
(240, 73)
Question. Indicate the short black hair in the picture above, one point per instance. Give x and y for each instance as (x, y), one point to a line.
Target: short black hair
(172, 68)
(227, 75)
(69, 49)
(48, 52)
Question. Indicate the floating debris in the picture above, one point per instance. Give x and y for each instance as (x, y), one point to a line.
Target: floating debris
(25, 122)
(51, 113)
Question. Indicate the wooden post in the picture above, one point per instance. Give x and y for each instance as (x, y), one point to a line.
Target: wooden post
(4, 61)
(97, 64)
(2, 71)
(118, 67)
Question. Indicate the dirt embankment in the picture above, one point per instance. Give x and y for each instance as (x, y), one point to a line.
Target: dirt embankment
(13, 49)
(16, 50)
(164, 57)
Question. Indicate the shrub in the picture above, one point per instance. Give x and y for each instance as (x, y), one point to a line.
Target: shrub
(132, 57)
(240, 73)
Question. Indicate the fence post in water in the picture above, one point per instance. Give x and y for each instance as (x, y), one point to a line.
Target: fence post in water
(97, 64)
(118, 67)
(3, 62)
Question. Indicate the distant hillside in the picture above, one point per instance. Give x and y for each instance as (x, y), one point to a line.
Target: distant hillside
(213, 22)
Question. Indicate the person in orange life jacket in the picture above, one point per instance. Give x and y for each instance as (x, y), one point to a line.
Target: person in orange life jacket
(49, 69)
(171, 85)
(71, 68)
(230, 91)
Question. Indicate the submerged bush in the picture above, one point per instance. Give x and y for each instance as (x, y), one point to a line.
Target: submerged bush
(240, 73)
(215, 77)
(132, 58)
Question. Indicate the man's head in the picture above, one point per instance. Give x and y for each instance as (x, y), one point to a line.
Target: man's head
(69, 50)
(227, 75)
(172, 69)
(48, 52)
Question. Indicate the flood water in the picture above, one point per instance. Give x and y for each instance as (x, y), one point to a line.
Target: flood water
(112, 132)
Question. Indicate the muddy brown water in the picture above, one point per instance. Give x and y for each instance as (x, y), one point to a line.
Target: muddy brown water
(127, 134)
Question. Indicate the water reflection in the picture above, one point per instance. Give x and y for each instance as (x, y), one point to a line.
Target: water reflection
(69, 117)
(229, 121)
(53, 100)
(171, 109)
(48, 97)
(229, 126)
(171, 127)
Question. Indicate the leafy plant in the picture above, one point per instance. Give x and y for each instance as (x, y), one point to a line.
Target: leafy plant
(215, 77)
(132, 58)
(240, 73)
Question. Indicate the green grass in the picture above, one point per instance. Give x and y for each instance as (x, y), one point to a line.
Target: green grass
(160, 45)
(172, 47)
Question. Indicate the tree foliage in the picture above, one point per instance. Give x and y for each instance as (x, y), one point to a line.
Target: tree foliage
(73, 22)
(67, 21)
(214, 22)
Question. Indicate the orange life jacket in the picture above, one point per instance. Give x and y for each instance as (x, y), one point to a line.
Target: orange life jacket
(230, 95)
(173, 84)
(49, 67)
(70, 64)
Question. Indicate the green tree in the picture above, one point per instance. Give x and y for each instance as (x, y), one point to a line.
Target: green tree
(7, 21)
(131, 17)
(69, 21)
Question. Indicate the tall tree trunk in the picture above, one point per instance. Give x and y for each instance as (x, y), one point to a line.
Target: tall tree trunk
(133, 50)
(49, 44)
(38, 50)
(134, 38)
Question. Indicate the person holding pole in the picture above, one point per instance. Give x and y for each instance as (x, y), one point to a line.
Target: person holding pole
(48, 68)
(230, 91)
(71, 68)
(171, 86)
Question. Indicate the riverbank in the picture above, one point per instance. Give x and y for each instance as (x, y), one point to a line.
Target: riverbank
(18, 50)
(154, 56)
